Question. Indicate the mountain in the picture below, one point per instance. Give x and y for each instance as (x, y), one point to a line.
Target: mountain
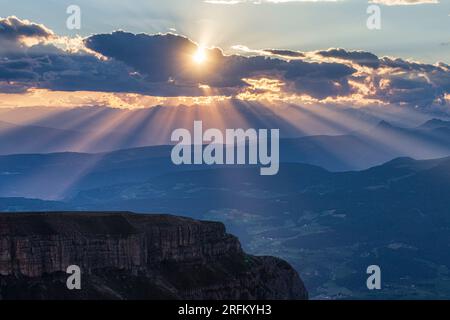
(329, 225)
(101, 129)
(430, 140)
(435, 124)
(339, 203)
(349, 142)
(129, 256)
(336, 153)
(22, 139)
(56, 176)
(356, 150)
(153, 125)
(29, 139)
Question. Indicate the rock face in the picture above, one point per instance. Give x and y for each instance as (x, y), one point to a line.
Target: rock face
(134, 256)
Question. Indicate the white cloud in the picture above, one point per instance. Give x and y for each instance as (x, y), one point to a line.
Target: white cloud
(232, 2)
(404, 2)
(383, 2)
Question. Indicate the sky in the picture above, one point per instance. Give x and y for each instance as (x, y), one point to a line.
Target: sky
(143, 53)
(418, 31)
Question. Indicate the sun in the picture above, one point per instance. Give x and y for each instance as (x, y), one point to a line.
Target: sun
(200, 56)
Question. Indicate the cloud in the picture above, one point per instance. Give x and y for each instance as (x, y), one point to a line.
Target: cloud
(360, 57)
(404, 2)
(29, 58)
(233, 2)
(391, 80)
(162, 65)
(285, 53)
(168, 58)
(12, 28)
(16, 33)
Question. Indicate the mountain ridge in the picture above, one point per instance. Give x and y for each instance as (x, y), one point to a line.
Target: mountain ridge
(134, 256)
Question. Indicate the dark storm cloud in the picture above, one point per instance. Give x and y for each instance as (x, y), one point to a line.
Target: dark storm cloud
(159, 57)
(395, 80)
(12, 28)
(408, 65)
(45, 66)
(162, 65)
(164, 57)
(413, 83)
(285, 53)
(360, 57)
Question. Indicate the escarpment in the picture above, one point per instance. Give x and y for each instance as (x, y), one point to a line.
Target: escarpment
(134, 256)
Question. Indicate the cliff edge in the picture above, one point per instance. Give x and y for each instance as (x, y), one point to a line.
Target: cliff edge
(134, 256)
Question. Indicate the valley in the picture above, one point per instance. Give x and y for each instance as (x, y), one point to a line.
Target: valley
(330, 226)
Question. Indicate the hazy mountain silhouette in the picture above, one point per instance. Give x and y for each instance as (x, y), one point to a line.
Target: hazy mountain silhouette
(355, 150)
(435, 124)
(331, 226)
(338, 204)
(48, 176)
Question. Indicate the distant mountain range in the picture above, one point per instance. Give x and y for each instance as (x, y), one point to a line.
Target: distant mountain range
(20, 139)
(59, 175)
(340, 203)
(330, 226)
(101, 129)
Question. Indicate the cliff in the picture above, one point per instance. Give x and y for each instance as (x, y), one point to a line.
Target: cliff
(134, 256)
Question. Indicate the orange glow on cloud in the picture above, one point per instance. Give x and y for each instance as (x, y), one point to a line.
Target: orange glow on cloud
(67, 99)
(268, 90)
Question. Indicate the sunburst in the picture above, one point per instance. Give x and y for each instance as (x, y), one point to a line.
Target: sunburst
(200, 56)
